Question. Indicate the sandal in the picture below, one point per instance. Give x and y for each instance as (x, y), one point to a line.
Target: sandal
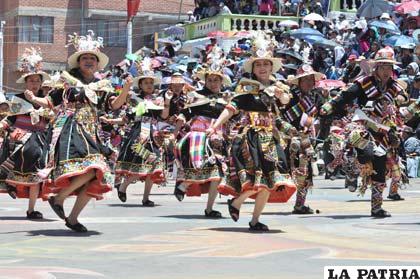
(148, 203)
(179, 194)
(233, 212)
(76, 227)
(212, 214)
(11, 191)
(122, 196)
(34, 215)
(258, 227)
(58, 209)
(381, 213)
(303, 210)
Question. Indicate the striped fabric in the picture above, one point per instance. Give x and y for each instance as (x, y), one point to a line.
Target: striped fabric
(24, 122)
(197, 147)
(305, 105)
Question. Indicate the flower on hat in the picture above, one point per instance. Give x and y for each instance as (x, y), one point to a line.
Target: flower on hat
(86, 43)
(385, 55)
(31, 60)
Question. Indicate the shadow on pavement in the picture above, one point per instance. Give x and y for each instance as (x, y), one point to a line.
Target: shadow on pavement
(129, 205)
(21, 218)
(338, 217)
(399, 224)
(242, 230)
(332, 188)
(194, 216)
(61, 233)
(277, 213)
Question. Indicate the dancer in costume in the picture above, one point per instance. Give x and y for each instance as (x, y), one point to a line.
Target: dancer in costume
(376, 135)
(297, 121)
(201, 157)
(79, 165)
(140, 154)
(258, 159)
(25, 149)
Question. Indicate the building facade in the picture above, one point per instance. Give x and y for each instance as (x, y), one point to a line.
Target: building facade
(46, 24)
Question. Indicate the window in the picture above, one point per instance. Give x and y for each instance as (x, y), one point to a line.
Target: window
(35, 29)
(113, 32)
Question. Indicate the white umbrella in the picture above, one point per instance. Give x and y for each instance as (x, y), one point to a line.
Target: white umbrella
(314, 17)
(289, 23)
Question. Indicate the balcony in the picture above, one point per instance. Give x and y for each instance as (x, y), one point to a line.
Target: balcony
(234, 22)
(238, 22)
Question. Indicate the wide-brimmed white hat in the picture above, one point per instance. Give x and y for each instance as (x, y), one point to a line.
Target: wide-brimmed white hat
(87, 45)
(303, 71)
(202, 74)
(31, 65)
(262, 49)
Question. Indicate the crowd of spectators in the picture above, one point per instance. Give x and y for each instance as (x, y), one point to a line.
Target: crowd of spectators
(209, 8)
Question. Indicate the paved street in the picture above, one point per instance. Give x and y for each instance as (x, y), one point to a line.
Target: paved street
(174, 240)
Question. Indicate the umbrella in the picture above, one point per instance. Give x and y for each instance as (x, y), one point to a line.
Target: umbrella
(388, 25)
(324, 43)
(304, 32)
(243, 34)
(289, 23)
(398, 40)
(214, 34)
(174, 30)
(408, 7)
(373, 8)
(291, 53)
(314, 17)
(167, 41)
(329, 83)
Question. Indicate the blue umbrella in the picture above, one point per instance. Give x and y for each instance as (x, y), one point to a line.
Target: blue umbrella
(373, 8)
(321, 42)
(398, 40)
(304, 32)
(388, 25)
(324, 43)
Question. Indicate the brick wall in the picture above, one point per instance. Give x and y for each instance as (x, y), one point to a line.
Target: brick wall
(67, 20)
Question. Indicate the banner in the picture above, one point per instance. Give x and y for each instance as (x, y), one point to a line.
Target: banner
(132, 8)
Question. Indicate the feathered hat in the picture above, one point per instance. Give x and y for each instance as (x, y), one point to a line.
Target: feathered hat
(215, 65)
(145, 69)
(262, 49)
(31, 64)
(86, 45)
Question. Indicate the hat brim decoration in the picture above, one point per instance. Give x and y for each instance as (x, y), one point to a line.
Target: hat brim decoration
(44, 76)
(31, 65)
(385, 56)
(73, 62)
(87, 45)
(176, 79)
(248, 64)
(207, 72)
(306, 71)
(136, 80)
